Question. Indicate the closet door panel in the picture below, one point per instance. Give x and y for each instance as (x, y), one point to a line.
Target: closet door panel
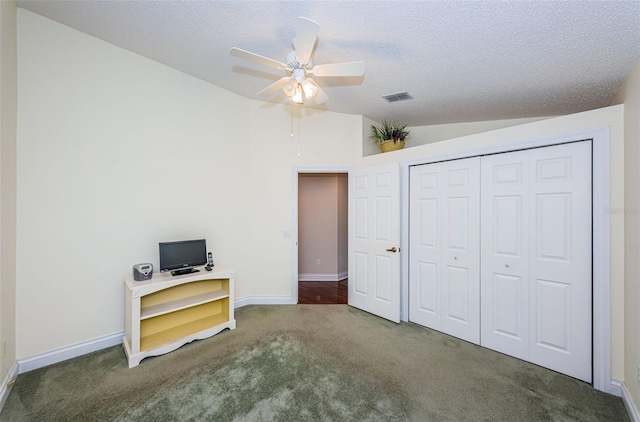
(504, 256)
(444, 291)
(560, 262)
(425, 254)
(536, 256)
(460, 287)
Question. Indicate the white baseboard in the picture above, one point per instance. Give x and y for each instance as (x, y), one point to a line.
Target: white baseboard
(323, 277)
(265, 300)
(7, 384)
(615, 388)
(69, 352)
(632, 410)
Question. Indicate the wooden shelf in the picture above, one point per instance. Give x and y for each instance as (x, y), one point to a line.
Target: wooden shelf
(176, 305)
(166, 312)
(175, 333)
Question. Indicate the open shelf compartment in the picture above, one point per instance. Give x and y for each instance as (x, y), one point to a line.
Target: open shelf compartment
(176, 305)
(168, 327)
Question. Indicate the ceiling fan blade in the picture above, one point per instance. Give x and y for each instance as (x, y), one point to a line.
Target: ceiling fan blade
(274, 87)
(339, 69)
(320, 97)
(243, 54)
(307, 32)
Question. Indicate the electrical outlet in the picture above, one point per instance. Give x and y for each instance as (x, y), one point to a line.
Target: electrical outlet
(318, 261)
(638, 374)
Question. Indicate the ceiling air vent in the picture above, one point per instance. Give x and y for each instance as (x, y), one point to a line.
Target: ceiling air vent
(397, 97)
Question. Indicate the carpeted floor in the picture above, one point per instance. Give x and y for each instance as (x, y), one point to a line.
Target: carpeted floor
(309, 363)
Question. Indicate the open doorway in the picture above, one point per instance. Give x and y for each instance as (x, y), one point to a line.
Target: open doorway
(322, 238)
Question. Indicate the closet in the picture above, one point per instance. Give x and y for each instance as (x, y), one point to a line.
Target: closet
(500, 253)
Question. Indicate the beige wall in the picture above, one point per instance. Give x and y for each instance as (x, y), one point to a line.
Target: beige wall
(117, 153)
(368, 147)
(422, 135)
(319, 226)
(8, 97)
(629, 94)
(611, 117)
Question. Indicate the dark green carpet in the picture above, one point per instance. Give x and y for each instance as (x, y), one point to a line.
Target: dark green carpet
(309, 363)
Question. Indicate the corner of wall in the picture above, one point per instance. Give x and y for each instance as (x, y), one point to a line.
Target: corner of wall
(7, 384)
(8, 122)
(629, 96)
(629, 404)
(368, 148)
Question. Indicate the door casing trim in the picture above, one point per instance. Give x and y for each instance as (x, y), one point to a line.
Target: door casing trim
(294, 218)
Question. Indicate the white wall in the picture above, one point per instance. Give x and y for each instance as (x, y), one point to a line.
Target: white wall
(629, 94)
(8, 110)
(611, 117)
(117, 153)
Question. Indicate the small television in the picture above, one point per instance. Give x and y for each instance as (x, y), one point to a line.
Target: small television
(181, 257)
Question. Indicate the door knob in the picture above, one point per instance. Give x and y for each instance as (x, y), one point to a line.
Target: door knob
(393, 249)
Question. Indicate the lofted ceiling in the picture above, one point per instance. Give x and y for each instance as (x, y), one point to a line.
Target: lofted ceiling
(462, 61)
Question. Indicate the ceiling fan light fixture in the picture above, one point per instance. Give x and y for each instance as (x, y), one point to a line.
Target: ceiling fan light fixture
(297, 95)
(310, 88)
(290, 88)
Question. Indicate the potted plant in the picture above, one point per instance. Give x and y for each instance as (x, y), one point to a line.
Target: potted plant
(390, 136)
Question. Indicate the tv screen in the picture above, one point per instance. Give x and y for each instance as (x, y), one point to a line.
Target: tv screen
(182, 255)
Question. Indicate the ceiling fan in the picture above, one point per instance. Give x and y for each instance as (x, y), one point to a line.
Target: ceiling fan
(299, 66)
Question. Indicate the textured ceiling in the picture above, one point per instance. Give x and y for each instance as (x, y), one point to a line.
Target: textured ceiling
(461, 61)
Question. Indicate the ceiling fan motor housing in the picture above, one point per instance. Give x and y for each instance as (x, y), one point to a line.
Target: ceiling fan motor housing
(298, 74)
(293, 63)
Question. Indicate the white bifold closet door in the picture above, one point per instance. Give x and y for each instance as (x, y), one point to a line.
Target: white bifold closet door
(536, 256)
(444, 272)
(500, 253)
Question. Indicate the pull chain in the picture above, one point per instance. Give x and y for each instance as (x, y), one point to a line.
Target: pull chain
(291, 105)
(291, 129)
(299, 134)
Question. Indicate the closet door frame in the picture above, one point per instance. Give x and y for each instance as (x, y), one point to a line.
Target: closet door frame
(601, 236)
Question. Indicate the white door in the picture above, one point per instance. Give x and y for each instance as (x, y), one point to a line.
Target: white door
(444, 269)
(374, 241)
(505, 253)
(536, 256)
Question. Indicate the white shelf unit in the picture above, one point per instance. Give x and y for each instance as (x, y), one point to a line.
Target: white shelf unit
(167, 312)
